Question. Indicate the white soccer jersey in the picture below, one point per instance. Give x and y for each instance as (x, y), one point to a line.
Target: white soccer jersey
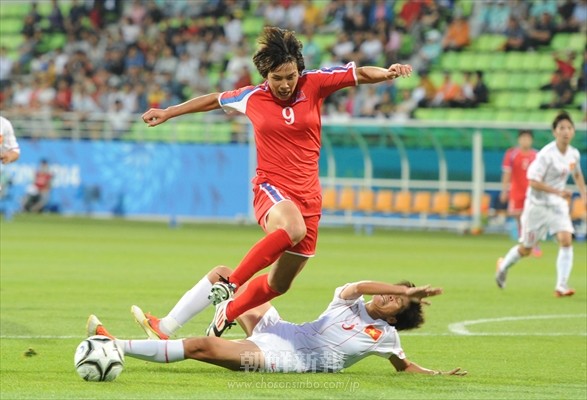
(552, 168)
(8, 140)
(341, 336)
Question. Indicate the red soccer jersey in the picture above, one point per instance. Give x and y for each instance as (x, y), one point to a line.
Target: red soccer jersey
(287, 133)
(517, 162)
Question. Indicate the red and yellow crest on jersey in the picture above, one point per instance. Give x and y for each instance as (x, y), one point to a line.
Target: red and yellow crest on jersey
(373, 332)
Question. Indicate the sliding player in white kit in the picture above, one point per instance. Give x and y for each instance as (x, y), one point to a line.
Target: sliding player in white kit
(349, 330)
(546, 208)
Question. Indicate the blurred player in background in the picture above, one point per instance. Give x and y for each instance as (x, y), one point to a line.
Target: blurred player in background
(514, 182)
(547, 204)
(349, 330)
(9, 150)
(285, 114)
(9, 153)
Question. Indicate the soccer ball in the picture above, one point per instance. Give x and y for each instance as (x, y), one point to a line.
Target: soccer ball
(98, 358)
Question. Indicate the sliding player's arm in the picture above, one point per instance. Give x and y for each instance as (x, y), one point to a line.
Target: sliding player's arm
(357, 289)
(406, 365)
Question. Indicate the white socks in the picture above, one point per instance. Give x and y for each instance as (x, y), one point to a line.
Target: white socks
(161, 351)
(564, 266)
(512, 257)
(193, 301)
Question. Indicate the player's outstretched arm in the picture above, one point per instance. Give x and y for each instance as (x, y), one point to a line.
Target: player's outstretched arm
(370, 74)
(357, 289)
(207, 102)
(406, 365)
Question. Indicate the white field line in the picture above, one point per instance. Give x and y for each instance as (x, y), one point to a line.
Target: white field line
(460, 328)
(456, 329)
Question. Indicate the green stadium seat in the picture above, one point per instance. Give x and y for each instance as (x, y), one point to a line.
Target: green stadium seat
(482, 114)
(13, 9)
(450, 61)
(517, 100)
(10, 26)
(501, 100)
(482, 62)
(560, 41)
(533, 99)
(467, 61)
(497, 61)
(516, 80)
(253, 25)
(488, 42)
(514, 61)
(577, 42)
(532, 61)
(546, 62)
(325, 40)
(498, 80)
(504, 116)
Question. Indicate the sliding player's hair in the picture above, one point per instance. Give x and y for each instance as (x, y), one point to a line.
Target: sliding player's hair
(277, 47)
(410, 318)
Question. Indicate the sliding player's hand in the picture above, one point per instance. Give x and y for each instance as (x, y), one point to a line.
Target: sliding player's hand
(456, 372)
(155, 116)
(420, 292)
(397, 70)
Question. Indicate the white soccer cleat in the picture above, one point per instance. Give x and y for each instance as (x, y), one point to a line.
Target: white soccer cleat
(222, 291)
(500, 275)
(95, 327)
(149, 323)
(219, 322)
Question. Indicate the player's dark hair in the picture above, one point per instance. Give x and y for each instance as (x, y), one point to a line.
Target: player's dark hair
(410, 318)
(525, 132)
(563, 115)
(277, 47)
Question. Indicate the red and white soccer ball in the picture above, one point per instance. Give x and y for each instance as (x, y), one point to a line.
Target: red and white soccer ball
(98, 359)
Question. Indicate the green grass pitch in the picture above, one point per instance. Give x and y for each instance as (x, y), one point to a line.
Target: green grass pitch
(55, 271)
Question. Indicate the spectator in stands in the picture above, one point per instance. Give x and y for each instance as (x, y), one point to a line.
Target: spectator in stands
(380, 10)
(38, 193)
(56, 20)
(578, 20)
(393, 44)
(456, 36)
(429, 52)
(540, 7)
(493, 17)
(294, 15)
(371, 48)
(119, 121)
(565, 63)
(582, 81)
(233, 29)
(344, 48)
(562, 91)
(565, 12)
(426, 91)
(402, 111)
(312, 52)
(480, 90)
(449, 94)
(515, 36)
(6, 65)
(73, 23)
(541, 31)
(62, 100)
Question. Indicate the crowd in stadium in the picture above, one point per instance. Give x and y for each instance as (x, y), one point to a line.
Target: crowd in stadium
(123, 57)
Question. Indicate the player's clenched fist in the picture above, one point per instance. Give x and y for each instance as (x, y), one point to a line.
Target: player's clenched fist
(155, 116)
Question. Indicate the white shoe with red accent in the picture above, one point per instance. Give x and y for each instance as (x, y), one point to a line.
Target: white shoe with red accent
(220, 323)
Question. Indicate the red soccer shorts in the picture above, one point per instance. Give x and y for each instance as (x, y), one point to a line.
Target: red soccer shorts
(266, 196)
(516, 205)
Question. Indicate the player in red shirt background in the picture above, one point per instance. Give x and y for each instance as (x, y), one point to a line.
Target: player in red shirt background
(285, 113)
(514, 181)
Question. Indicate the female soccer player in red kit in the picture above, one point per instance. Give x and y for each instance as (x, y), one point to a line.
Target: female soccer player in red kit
(285, 114)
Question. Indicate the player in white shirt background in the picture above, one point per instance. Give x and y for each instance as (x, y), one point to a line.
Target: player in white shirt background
(349, 330)
(546, 208)
(9, 150)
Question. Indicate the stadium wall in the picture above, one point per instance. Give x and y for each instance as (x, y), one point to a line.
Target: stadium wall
(134, 179)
